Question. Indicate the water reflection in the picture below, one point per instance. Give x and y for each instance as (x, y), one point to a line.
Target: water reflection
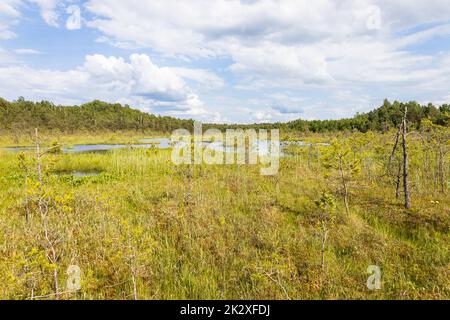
(262, 146)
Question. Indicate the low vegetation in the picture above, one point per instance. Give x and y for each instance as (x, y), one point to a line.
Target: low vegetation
(140, 227)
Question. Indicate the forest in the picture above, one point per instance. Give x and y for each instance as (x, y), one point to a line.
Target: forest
(21, 115)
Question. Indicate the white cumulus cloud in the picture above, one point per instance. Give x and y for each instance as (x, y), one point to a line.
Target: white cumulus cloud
(289, 43)
(138, 82)
(322, 58)
(48, 10)
(9, 16)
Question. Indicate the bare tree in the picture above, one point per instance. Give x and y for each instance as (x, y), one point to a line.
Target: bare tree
(398, 182)
(326, 206)
(403, 133)
(55, 148)
(405, 161)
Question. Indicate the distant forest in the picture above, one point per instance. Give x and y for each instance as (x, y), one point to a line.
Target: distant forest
(93, 116)
(23, 115)
(382, 119)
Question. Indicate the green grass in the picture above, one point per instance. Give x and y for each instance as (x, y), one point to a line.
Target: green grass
(79, 137)
(229, 233)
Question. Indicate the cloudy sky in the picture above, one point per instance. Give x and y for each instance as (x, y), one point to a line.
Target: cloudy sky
(227, 60)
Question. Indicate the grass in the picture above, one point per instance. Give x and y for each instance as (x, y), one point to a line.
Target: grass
(79, 137)
(225, 233)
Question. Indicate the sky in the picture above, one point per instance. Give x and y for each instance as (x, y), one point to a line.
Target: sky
(227, 61)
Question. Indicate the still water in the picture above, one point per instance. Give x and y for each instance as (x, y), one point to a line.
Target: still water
(165, 143)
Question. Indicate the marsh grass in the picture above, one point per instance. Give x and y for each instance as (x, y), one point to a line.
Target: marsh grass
(26, 138)
(240, 236)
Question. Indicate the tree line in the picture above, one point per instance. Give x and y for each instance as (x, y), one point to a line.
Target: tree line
(21, 114)
(97, 115)
(383, 119)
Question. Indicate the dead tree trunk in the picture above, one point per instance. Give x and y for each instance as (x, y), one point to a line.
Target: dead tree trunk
(405, 162)
(398, 182)
(391, 157)
(344, 185)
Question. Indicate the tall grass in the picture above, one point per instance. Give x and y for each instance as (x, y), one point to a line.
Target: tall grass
(240, 236)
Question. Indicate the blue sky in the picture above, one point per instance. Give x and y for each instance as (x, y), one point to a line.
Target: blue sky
(227, 60)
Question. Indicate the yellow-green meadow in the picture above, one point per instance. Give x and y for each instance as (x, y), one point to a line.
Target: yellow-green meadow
(140, 227)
